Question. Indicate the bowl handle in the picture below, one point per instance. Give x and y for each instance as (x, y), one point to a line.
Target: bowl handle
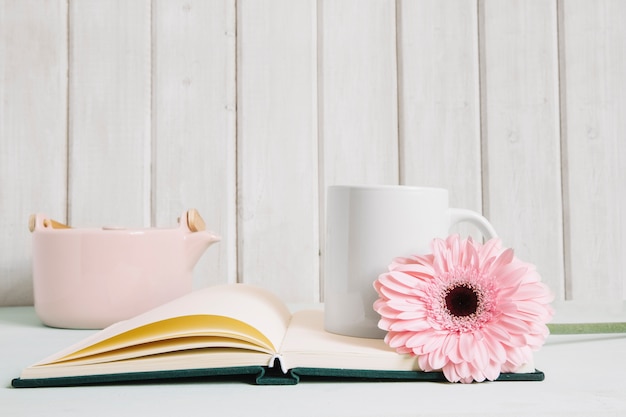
(38, 221)
(193, 221)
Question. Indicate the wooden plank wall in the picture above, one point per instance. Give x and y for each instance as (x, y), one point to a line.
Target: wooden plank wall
(128, 113)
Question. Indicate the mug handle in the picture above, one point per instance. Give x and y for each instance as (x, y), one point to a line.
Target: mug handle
(464, 215)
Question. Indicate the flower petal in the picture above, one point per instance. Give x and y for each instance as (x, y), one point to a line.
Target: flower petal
(463, 370)
(455, 349)
(403, 305)
(440, 264)
(503, 259)
(397, 281)
(419, 312)
(413, 271)
(491, 249)
(437, 359)
(481, 354)
(416, 325)
(424, 363)
(477, 373)
(511, 275)
(492, 371)
(397, 339)
(496, 350)
(449, 371)
(514, 325)
(466, 346)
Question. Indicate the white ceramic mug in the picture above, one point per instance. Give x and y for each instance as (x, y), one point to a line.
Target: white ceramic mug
(366, 228)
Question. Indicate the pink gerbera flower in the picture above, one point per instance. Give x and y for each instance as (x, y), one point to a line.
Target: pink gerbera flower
(469, 309)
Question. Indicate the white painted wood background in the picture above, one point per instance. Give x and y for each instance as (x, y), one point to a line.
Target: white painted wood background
(129, 112)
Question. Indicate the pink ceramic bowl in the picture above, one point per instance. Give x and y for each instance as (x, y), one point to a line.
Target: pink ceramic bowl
(92, 278)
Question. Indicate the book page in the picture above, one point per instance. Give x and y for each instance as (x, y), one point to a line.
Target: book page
(169, 361)
(242, 312)
(308, 345)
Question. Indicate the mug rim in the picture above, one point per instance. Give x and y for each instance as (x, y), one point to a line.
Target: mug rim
(377, 187)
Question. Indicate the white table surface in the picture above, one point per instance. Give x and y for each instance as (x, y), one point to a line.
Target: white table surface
(585, 376)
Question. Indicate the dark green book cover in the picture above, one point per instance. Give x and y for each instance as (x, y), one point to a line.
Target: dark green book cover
(259, 375)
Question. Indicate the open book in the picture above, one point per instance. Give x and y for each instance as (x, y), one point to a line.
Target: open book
(227, 330)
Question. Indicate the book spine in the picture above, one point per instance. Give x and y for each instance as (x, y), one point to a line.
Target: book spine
(276, 361)
(276, 374)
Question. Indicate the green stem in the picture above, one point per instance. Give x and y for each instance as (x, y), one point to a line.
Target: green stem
(587, 328)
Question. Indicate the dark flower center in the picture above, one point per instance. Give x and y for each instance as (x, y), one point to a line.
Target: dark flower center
(461, 301)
